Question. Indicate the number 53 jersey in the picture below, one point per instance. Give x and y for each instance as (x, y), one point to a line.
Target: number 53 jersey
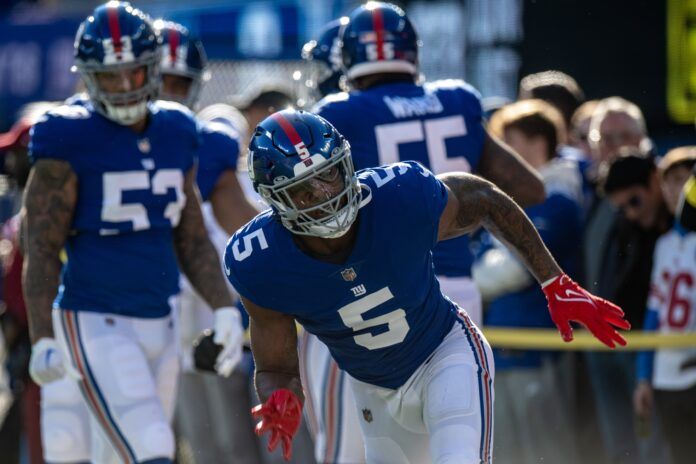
(120, 253)
(381, 313)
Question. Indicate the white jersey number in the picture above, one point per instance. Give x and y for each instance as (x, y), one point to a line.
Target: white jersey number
(352, 316)
(434, 132)
(115, 210)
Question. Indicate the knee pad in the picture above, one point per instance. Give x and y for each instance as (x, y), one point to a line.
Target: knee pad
(148, 431)
(65, 437)
(451, 392)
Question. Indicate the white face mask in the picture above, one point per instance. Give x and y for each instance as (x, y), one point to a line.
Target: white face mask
(126, 114)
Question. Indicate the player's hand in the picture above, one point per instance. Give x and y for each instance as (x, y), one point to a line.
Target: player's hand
(229, 333)
(281, 415)
(47, 363)
(643, 399)
(568, 301)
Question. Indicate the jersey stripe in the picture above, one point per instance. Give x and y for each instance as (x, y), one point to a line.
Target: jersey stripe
(288, 129)
(173, 37)
(90, 389)
(114, 28)
(485, 386)
(378, 26)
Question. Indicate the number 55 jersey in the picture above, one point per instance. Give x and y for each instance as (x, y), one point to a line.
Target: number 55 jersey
(439, 124)
(381, 313)
(130, 193)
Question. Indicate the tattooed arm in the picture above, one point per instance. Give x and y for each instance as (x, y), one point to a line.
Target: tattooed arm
(277, 365)
(49, 203)
(506, 169)
(231, 208)
(197, 256)
(473, 202)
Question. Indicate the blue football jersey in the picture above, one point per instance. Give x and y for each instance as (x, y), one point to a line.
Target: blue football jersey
(120, 252)
(439, 124)
(218, 152)
(381, 313)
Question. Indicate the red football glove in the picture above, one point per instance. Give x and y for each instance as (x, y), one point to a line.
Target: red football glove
(568, 301)
(281, 414)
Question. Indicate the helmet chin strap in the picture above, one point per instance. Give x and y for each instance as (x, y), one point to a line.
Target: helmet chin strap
(126, 115)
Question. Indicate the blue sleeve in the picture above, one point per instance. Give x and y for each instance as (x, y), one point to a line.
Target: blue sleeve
(475, 124)
(432, 196)
(48, 139)
(645, 359)
(331, 110)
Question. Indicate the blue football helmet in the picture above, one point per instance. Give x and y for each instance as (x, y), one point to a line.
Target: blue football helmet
(182, 55)
(118, 38)
(379, 38)
(323, 57)
(302, 167)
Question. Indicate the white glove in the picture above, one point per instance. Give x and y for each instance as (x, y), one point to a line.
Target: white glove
(47, 364)
(230, 334)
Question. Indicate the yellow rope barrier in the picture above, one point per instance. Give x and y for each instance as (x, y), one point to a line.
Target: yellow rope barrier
(550, 339)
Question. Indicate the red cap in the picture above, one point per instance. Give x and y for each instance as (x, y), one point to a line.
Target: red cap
(18, 135)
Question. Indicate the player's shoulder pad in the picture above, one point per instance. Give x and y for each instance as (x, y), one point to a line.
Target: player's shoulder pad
(331, 101)
(219, 131)
(249, 245)
(395, 175)
(176, 116)
(453, 84)
(59, 131)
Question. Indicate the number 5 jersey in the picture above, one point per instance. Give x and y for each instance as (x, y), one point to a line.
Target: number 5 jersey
(381, 313)
(120, 253)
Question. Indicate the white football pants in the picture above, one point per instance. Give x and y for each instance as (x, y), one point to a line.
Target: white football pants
(330, 409)
(122, 408)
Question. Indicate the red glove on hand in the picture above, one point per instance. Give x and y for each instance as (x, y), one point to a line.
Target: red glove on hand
(568, 301)
(281, 414)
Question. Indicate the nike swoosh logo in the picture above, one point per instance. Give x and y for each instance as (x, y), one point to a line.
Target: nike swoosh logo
(228, 271)
(572, 295)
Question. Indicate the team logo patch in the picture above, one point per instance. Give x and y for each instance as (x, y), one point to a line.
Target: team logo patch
(367, 415)
(349, 274)
(144, 145)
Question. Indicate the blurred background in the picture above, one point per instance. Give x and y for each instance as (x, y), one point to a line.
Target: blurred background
(643, 50)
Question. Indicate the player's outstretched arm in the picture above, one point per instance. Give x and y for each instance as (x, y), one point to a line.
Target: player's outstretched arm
(509, 171)
(277, 377)
(231, 207)
(474, 202)
(197, 256)
(47, 211)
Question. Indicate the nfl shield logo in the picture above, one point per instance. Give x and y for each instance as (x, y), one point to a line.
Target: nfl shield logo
(349, 274)
(367, 415)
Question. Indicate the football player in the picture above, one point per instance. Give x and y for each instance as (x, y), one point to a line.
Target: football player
(183, 67)
(113, 183)
(390, 116)
(348, 256)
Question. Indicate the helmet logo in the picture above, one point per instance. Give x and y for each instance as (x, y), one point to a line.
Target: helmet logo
(123, 55)
(384, 52)
(303, 153)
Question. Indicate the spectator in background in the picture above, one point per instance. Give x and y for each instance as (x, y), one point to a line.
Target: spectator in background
(616, 123)
(670, 309)
(531, 424)
(555, 88)
(632, 187)
(579, 129)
